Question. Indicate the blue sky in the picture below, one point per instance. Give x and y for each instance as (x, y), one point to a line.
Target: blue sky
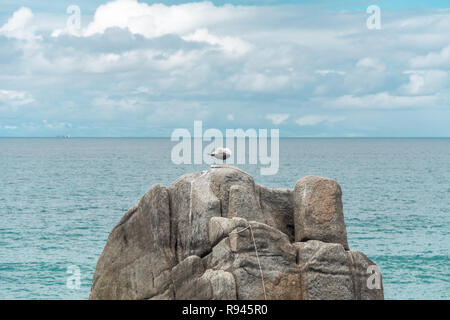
(308, 68)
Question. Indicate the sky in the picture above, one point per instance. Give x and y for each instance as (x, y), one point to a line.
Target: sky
(144, 68)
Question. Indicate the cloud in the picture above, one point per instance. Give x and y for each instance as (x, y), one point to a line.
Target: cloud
(123, 104)
(144, 66)
(19, 25)
(232, 45)
(15, 98)
(56, 125)
(277, 118)
(156, 20)
(259, 82)
(415, 85)
(432, 59)
(425, 82)
(312, 120)
(383, 100)
(326, 72)
(371, 63)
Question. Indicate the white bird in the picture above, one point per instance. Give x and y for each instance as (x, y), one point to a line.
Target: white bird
(221, 154)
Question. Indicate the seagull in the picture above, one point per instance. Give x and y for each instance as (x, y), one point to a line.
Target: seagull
(221, 154)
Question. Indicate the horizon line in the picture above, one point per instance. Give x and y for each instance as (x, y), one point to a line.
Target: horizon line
(167, 137)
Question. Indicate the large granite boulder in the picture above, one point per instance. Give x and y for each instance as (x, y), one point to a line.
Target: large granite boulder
(318, 213)
(217, 235)
(331, 272)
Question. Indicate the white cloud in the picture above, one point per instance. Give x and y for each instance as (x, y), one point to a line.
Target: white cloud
(158, 19)
(232, 45)
(326, 72)
(371, 63)
(19, 26)
(432, 59)
(188, 21)
(56, 125)
(15, 98)
(425, 82)
(136, 61)
(145, 90)
(312, 120)
(259, 82)
(10, 127)
(277, 118)
(383, 100)
(415, 85)
(123, 104)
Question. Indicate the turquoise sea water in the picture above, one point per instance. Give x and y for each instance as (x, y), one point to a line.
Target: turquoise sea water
(59, 199)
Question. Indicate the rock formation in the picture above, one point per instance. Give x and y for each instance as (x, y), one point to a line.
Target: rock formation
(217, 235)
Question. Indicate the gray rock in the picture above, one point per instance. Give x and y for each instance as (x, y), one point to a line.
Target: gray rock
(222, 178)
(277, 263)
(138, 254)
(217, 235)
(329, 272)
(192, 206)
(192, 282)
(273, 262)
(362, 275)
(318, 213)
(243, 203)
(326, 271)
(220, 228)
(278, 209)
(196, 198)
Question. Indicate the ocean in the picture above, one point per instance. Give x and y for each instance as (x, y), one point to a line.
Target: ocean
(60, 198)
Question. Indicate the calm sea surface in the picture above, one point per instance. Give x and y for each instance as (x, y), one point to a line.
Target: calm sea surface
(60, 198)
